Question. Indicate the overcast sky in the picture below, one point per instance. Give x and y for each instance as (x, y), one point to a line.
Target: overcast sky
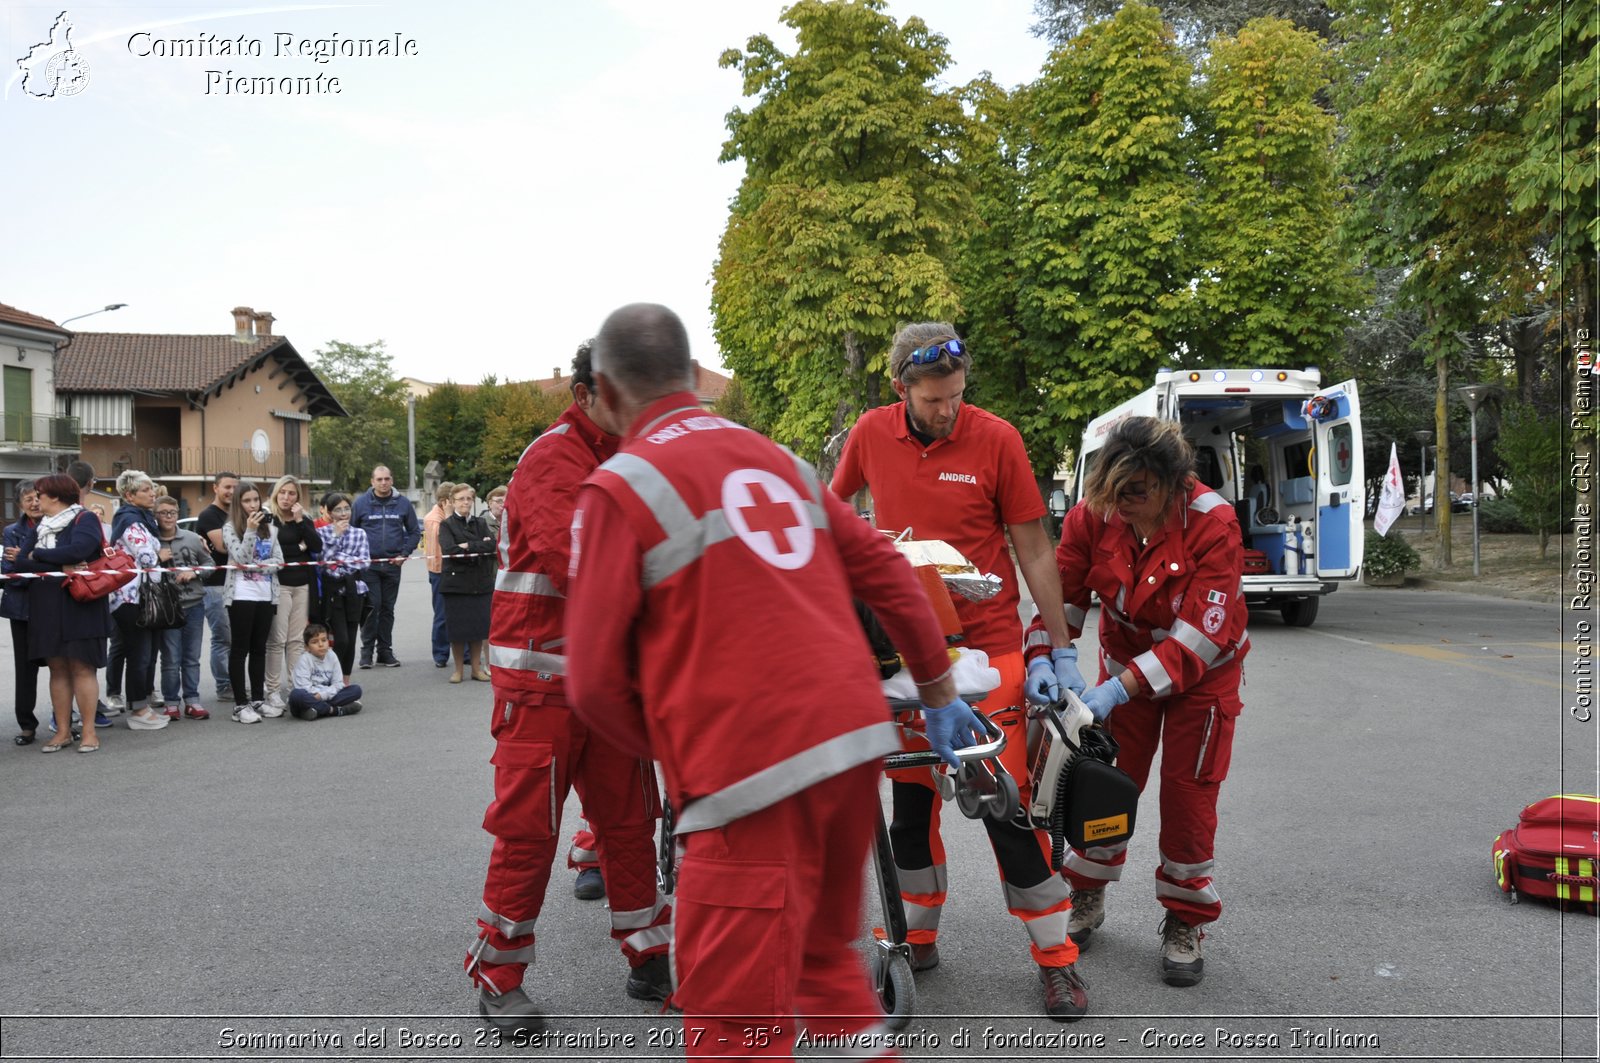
(480, 205)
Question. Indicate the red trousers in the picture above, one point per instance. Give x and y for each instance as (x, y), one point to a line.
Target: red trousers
(767, 909)
(585, 851)
(1033, 892)
(1195, 734)
(540, 752)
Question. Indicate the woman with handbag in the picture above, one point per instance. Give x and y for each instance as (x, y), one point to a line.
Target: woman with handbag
(466, 582)
(251, 595)
(68, 635)
(345, 556)
(134, 529)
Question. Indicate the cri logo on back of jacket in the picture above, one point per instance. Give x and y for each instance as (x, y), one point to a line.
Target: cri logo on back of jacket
(769, 517)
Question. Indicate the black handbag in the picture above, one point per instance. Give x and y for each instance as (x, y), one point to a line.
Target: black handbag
(159, 608)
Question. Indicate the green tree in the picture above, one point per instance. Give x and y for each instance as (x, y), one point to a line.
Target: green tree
(514, 417)
(1106, 202)
(1273, 284)
(450, 427)
(1196, 21)
(735, 405)
(1533, 448)
(362, 378)
(849, 212)
(991, 278)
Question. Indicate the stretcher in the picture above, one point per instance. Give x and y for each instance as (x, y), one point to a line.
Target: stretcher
(980, 787)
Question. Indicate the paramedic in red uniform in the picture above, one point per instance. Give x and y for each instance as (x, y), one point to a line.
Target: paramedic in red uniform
(959, 473)
(1163, 552)
(541, 749)
(711, 623)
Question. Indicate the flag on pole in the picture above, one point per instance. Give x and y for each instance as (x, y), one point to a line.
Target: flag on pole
(1393, 499)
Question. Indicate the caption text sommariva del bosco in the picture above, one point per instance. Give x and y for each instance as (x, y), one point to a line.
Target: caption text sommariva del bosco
(228, 82)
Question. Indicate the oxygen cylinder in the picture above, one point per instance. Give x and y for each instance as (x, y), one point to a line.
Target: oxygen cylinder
(1308, 548)
(1291, 547)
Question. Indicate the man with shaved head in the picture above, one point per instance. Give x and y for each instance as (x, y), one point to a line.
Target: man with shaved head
(711, 594)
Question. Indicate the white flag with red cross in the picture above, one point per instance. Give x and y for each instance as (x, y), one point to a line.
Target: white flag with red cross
(1393, 499)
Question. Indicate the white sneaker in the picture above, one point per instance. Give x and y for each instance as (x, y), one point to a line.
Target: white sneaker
(246, 714)
(115, 705)
(270, 709)
(153, 722)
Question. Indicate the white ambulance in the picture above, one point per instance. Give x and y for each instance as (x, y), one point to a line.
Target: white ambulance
(1286, 451)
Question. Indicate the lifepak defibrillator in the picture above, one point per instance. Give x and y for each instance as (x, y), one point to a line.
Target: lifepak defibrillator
(1080, 797)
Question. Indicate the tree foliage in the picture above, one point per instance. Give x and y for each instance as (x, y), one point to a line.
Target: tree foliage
(1107, 196)
(362, 378)
(1533, 449)
(514, 415)
(1273, 285)
(1196, 21)
(844, 224)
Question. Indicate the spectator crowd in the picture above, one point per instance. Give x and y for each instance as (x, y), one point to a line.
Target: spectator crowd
(288, 589)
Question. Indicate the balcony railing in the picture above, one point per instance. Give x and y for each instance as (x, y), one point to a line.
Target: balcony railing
(40, 430)
(208, 461)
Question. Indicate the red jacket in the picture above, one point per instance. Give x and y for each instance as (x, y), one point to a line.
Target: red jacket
(711, 622)
(1175, 614)
(526, 624)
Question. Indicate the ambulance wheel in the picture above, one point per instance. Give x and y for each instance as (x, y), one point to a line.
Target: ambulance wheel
(897, 989)
(1007, 800)
(1301, 613)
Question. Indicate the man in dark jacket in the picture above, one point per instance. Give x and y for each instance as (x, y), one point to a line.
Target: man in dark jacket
(392, 533)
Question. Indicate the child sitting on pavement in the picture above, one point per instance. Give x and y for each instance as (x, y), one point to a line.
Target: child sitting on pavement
(319, 687)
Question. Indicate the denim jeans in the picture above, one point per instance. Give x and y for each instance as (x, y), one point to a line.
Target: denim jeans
(180, 657)
(221, 639)
(383, 588)
(441, 640)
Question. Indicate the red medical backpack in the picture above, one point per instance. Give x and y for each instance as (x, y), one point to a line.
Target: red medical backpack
(1553, 852)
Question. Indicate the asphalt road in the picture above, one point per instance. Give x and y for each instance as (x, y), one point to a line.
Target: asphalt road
(213, 891)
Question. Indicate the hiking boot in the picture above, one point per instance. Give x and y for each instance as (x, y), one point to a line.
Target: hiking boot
(511, 1011)
(924, 955)
(589, 885)
(1066, 994)
(1181, 963)
(1088, 912)
(651, 980)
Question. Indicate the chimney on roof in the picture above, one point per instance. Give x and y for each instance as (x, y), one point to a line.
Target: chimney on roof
(264, 320)
(555, 374)
(243, 316)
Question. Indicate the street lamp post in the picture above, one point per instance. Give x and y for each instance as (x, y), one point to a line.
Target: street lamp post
(1473, 395)
(103, 309)
(1424, 437)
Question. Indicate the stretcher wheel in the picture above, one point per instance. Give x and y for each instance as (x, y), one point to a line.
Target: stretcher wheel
(1007, 800)
(897, 989)
(968, 799)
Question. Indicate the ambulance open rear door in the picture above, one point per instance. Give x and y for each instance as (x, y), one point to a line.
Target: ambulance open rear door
(1340, 479)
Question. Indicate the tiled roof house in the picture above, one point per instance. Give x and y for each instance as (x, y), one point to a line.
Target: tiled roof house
(33, 440)
(183, 408)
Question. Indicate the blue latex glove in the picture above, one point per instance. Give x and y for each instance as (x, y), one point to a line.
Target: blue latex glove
(1065, 660)
(1041, 687)
(951, 727)
(1105, 697)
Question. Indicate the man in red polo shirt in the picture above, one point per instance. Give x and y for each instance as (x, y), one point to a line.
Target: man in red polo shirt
(961, 474)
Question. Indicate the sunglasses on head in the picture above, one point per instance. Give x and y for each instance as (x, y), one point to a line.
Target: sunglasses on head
(928, 355)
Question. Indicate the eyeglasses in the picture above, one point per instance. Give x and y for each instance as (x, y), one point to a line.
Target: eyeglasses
(1134, 494)
(928, 355)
